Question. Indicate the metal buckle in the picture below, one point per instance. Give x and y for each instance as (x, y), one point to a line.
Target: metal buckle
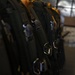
(54, 45)
(47, 49)
(39, 66)
(35, 69)
(51, 24)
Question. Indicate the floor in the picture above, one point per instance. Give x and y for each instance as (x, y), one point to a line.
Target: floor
(69, 67)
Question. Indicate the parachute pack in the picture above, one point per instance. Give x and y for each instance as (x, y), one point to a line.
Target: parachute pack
(32, 39)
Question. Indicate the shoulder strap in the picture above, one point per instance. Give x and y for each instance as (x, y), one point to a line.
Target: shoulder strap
(48, 10)
(5, 67)
(39, 29)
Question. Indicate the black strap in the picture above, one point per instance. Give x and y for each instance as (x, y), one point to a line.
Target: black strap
(39, 30)
(5, 67)
(10, 47)
(30, 43)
